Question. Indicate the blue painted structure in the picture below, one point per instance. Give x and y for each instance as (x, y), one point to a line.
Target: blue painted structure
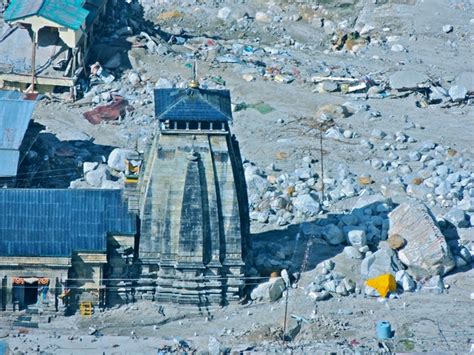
(56, 222)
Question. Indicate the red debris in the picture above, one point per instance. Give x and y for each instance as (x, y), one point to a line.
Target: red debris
(111, 112)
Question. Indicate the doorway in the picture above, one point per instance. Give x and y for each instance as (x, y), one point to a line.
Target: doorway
(31, 293)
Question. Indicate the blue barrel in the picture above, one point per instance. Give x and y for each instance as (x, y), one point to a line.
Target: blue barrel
(3, 347)
(384, 330)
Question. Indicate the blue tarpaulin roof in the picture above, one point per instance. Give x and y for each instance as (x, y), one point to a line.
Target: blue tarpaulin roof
(68, 13)
(15, 116)
(193, 105)
(56, 222)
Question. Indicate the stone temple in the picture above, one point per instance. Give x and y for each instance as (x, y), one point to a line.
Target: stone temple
(192, 202)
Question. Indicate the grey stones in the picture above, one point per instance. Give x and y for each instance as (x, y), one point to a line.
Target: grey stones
(383, 261)
(405, 281)
(357, 238)
(134, 78)
(333, 234)
(457, 217)
(408, 80)
(434, 285)
(269, 291)
(319, 296)
(97, 177)
(426, 252)
(352, 252)
(397, 48)
(466, 79)
(307, 204)
(457, 92)
(224, 13)
(378, 134)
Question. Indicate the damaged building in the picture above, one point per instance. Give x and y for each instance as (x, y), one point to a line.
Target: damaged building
(18, 133)
(47, 42)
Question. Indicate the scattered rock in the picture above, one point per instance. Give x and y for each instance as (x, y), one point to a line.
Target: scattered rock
(269, 291)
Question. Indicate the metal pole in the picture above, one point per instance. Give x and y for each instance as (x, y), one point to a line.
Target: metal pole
(322, 162)
(33, 62)
(286, 314)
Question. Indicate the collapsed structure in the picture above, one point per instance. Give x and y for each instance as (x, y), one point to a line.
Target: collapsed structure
(48, 42)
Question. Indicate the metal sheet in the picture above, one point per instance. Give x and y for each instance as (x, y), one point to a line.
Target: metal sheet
(56, 222)
(9, 162)
(193, 105)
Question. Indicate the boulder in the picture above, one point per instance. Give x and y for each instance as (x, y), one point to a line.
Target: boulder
(306, 204)
(269, 291)
(383, 261)
(408, 80)
(405, 281)
(357, 238)
(333, 234)
(396, 242)
(98, 176)
(426, 252)
(457, 92)
(352, 252)
(117, 158)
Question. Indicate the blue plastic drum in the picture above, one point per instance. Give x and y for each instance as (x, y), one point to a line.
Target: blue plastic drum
(384, 330)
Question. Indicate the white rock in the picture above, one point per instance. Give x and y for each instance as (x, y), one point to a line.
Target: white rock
(397, 48)
(269, 291)
(117, 158)
(448, 28)
(262, 17)
(134, 78)
(352, 252)
(89, 166)
(457, 92)
(357, 238)
(224, 13)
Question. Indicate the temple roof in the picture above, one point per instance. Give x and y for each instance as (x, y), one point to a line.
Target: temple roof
(193, 105)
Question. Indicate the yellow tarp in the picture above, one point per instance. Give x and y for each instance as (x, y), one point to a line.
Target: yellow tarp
(383, 284)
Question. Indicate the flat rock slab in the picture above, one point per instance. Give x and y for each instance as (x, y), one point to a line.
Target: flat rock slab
(426, 252)
(408, 80)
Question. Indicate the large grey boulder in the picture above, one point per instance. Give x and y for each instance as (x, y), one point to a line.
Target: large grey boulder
(408, 80)
(426, 252)
(269, 291)
(306, 204)
(383, 261)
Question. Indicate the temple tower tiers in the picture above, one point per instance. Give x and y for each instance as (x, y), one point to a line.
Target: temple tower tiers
(194, 232)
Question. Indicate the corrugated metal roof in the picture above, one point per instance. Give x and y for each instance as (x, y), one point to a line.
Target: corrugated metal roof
(15, 116)
(68, 13)
(9, 162)
(193, 105)
(53, 222)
